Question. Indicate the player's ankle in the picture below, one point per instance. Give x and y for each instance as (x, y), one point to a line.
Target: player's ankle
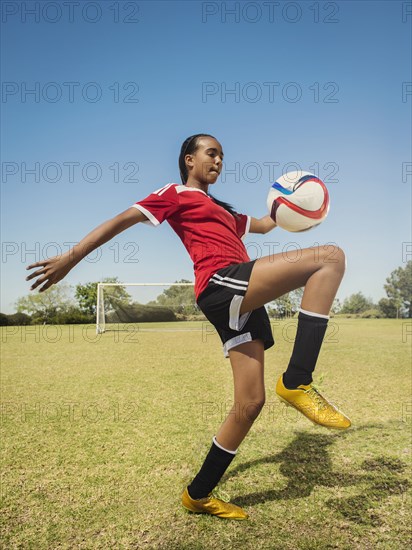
(293, 382)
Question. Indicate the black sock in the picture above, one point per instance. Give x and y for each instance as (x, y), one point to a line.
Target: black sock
(309, 338)
(216, 463)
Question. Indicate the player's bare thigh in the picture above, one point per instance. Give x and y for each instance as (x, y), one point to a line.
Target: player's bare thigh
(275, 275)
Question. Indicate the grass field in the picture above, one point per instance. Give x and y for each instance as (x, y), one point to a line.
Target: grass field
(100, 434)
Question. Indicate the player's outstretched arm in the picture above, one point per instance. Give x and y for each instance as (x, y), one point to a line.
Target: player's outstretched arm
(262, 225)
(55, 269)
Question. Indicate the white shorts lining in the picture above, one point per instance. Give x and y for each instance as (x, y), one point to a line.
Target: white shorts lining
(236, 341)
(236, 321)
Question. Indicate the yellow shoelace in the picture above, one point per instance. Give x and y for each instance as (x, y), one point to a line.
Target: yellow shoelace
(221, 495)
(313, 392)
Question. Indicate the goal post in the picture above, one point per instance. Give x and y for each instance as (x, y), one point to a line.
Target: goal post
(146, 297)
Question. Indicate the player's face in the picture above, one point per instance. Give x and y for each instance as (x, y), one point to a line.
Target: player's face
(206, 161)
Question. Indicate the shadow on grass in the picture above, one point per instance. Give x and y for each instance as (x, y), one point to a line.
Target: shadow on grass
(306, 464)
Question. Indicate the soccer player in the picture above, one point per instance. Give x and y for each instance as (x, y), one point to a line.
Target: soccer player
(231, 290)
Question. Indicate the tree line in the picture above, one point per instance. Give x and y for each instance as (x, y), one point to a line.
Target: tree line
(58, 306)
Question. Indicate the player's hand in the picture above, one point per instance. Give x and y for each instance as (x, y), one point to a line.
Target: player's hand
(52, 271)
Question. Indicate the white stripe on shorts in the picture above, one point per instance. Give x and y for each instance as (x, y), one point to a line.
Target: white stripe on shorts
(222, 283)
(238, 281)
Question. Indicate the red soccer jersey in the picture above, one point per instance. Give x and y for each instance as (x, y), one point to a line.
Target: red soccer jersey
(211, 235)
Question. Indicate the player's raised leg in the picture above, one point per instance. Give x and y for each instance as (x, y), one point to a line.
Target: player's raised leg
(320, 271)
(247, 362)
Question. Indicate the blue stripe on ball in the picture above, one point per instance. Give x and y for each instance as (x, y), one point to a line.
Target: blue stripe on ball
(283, 190)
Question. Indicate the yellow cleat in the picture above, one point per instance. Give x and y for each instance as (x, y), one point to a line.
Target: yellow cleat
(310, 402)
(212, 505)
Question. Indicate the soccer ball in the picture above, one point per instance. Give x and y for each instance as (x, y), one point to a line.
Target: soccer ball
(298, 201)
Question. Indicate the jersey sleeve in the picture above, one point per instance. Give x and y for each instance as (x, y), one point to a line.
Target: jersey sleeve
(242, 225)
(159, 205)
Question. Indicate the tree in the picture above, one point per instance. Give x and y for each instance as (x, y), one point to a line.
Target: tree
(295, 297)
(280, 308)
(86, 296)
(387, 308)
(356, 303)
(180, 299)
(286, 305)
(398, 289)
(44, 306)
(336, 306)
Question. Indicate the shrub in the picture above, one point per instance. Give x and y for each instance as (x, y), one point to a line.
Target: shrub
(4, 320)
(371, 314)
(72, 316)
(19, 318)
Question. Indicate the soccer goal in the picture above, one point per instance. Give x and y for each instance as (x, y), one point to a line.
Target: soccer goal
(122, 303)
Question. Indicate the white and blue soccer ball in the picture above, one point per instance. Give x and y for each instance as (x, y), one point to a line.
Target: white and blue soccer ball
(298, 201)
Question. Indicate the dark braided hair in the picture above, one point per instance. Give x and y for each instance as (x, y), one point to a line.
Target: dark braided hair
(189, 146)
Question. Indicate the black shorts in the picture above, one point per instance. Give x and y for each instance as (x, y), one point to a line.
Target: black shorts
(220, 302)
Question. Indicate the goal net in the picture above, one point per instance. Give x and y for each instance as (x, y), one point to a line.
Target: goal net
(122, 303)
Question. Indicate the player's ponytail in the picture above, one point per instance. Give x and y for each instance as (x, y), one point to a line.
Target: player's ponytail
(189, 146)
(225, 205)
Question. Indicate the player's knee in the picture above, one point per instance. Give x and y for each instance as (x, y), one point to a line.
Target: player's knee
(251, 408)
(341, 263)
(334, 257)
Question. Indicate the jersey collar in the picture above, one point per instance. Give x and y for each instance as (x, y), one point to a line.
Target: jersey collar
(181, 188)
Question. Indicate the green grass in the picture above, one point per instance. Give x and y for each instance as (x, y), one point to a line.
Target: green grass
(101, 434)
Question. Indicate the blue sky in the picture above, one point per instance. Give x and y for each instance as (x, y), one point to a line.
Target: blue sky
(119, 85)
